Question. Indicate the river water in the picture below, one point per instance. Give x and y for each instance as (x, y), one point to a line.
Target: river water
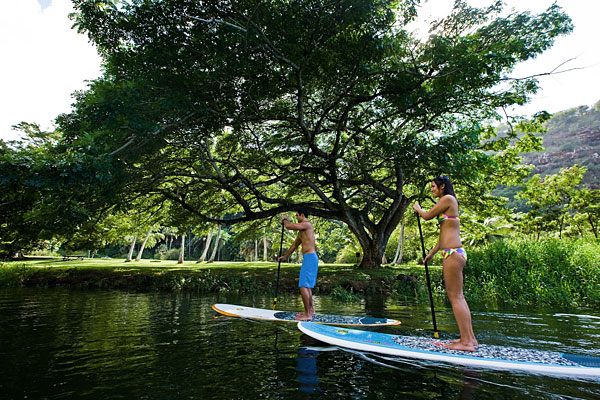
(66, 344)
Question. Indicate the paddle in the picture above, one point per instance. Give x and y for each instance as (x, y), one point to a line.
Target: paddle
(278, 266)
(435, 331)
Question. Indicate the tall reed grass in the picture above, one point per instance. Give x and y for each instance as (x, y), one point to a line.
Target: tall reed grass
(553, 272)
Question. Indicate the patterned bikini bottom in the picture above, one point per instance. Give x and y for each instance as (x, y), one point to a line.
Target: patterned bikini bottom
(459, 250)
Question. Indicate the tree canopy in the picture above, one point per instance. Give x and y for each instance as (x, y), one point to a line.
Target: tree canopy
(240, 110)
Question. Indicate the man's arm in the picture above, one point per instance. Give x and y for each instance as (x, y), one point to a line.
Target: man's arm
(292, 248)
(296, 226)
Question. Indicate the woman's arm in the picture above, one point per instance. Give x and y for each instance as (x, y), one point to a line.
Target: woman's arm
(436, 210)
(432, 253)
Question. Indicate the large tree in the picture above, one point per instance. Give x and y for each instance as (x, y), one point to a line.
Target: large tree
(551, 199)
(243, 109)
(48, 192)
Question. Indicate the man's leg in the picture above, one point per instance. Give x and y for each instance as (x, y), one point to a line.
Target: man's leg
(309, 309)
(306, 281)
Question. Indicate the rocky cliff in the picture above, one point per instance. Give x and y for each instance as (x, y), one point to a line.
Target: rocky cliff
(573, 137)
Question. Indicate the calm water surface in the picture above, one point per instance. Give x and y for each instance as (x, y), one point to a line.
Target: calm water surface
(61, 344)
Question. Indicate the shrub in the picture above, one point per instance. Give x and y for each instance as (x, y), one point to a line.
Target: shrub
(347, 256)
(172, 254)
(553, 272)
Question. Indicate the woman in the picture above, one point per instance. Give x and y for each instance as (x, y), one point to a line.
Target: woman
(455, 258)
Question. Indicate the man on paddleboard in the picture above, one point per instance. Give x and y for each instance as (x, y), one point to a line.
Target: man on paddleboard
(310, 260)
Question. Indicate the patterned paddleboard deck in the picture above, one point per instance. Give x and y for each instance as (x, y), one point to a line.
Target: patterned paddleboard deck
(233, 310)
(485, 356)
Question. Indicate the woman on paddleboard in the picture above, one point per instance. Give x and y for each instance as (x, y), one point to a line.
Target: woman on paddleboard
(455, 258)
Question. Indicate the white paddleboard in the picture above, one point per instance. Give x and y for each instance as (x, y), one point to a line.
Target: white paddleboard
(233, 310)
(494, 357)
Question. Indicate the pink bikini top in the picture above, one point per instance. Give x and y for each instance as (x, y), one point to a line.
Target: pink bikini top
(442, 217)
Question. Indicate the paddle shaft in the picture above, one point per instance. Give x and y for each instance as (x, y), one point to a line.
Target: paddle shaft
(435, 331)
(278, 265)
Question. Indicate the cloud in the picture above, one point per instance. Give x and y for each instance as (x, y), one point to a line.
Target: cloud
(44, 62)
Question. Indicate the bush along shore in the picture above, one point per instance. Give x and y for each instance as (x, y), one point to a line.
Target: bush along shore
(552, 272)
(341, 281)
(563, 273)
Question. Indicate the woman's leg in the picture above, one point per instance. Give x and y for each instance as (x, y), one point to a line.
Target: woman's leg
(453, 279)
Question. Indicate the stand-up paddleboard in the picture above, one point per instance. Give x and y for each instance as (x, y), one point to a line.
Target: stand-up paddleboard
(485, 356)
(233, 310)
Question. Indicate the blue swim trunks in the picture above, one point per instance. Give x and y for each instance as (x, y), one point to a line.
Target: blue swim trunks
(309, 270)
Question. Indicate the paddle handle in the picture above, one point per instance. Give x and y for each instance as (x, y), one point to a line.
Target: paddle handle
(435, 331)
(278, 265)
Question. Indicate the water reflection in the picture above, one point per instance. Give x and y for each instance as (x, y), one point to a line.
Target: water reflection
(470, 384)
(306, 365)
(466, 378)
(306, 370)
(60, 344)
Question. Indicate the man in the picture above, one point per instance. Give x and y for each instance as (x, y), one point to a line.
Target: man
(310, 262)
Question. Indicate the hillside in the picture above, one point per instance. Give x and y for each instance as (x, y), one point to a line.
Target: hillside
(573, 137)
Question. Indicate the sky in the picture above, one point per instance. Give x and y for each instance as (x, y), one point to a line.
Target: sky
(45, 61)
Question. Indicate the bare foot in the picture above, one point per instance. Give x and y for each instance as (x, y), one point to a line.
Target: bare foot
(458, 341)
(303, 317)
(459, 346)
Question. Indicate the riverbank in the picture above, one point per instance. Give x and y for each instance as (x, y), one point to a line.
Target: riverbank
(557, 273)
(339, 280)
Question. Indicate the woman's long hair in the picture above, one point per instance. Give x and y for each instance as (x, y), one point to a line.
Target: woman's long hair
(444, 180)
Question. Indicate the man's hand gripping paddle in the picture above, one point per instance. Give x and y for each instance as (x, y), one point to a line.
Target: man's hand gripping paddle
(278, 265)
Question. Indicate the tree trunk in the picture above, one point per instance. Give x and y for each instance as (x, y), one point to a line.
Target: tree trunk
(139, 256)
(264, 246)
(400, 248)
(372, 256)
(217, 240)
(594, 229)
(181, 250)
(373, 237)
(373, 246)
(206, 246)
(199, 245)
(131, 249)
(560, 226)
(255, 250)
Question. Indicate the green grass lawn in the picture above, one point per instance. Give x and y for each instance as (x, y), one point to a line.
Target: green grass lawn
(254, 268)
(144, 264)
